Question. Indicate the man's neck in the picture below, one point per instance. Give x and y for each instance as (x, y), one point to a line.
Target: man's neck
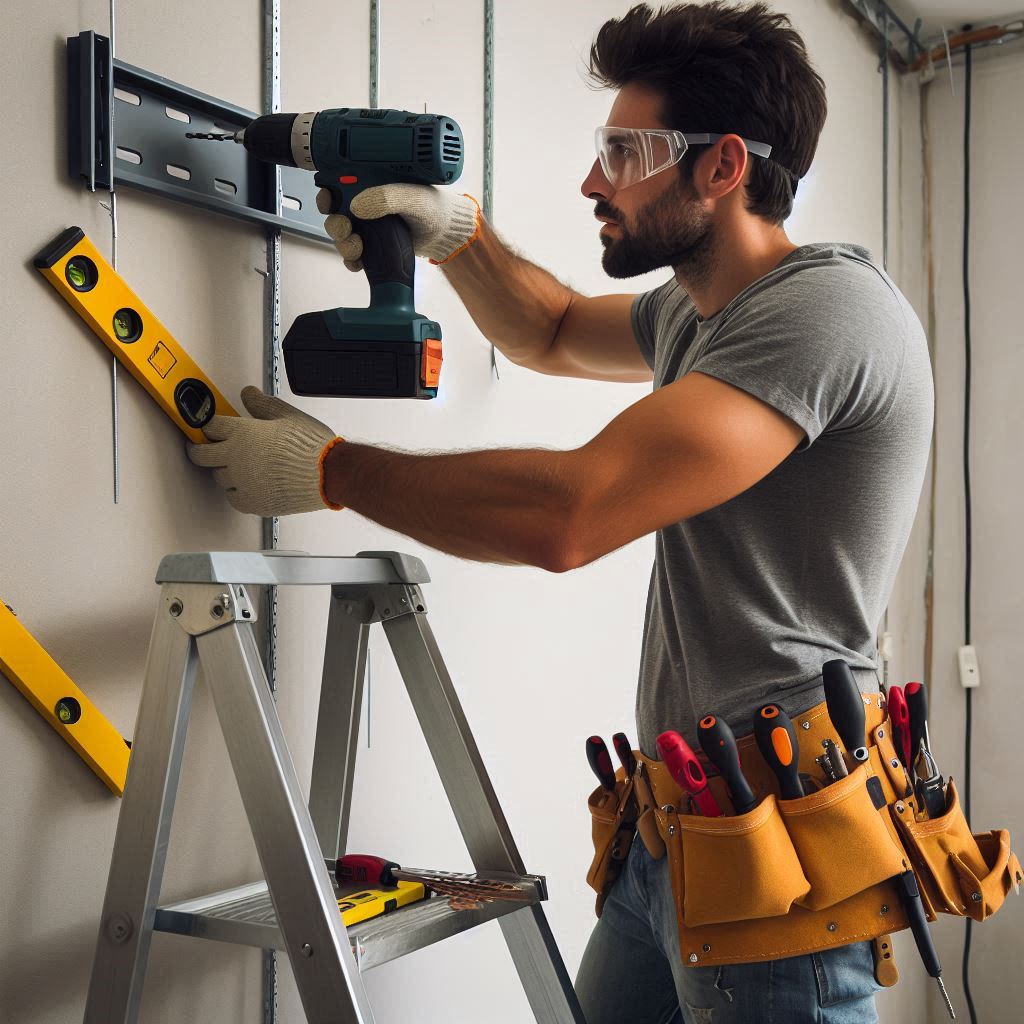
(732, 265)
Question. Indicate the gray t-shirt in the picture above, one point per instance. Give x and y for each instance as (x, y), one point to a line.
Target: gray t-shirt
(749, 599)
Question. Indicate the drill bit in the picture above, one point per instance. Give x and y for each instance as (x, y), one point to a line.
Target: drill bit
(945, 995)
(215, 136)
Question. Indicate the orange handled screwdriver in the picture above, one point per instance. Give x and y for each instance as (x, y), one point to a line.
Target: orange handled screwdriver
(776, 739)
(720, 746)
(683, 766)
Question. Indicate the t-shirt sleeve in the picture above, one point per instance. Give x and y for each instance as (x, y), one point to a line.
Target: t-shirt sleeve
(824, 347)
(645, 318)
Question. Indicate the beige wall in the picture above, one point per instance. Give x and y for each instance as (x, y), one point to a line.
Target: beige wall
(540, 661)
(997, 223)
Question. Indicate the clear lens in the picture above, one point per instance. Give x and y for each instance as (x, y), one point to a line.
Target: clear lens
(628, 155)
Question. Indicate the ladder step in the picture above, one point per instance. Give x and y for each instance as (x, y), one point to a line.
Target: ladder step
(245, 916)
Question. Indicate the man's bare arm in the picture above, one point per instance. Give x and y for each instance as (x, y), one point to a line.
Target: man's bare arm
(686, 448)
(540, 323)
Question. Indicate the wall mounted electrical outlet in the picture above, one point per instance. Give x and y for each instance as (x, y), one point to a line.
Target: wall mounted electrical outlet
(967, 659)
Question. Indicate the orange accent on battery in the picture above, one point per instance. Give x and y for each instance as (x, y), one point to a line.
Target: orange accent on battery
(783, 748)
(431, 368)
(348, 179)
(320, 473)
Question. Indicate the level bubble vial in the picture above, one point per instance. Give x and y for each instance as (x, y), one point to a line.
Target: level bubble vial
(81, 273)
(127, 325)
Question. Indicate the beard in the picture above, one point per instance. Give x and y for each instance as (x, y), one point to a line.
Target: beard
(673, 231)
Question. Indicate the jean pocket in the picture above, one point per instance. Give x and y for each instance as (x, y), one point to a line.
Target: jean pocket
(845, 973)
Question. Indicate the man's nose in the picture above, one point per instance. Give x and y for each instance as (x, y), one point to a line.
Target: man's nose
(596, 185)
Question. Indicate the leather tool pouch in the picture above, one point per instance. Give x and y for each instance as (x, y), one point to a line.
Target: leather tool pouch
(799, 876)
(613, 825)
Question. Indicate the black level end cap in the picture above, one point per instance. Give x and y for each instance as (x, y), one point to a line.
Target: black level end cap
(58, 248)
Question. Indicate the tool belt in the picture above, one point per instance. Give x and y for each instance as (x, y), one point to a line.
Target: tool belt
(799, 876)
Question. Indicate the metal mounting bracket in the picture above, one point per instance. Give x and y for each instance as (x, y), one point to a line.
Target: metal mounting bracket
(150, 151)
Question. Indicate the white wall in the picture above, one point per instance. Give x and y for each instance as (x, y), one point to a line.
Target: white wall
(540, 661)
(997, 424)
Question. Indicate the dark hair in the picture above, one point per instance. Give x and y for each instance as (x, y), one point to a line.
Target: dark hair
(722, 68)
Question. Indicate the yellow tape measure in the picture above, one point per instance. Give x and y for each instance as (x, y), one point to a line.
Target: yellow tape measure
(367, 903)
(52, 693)
(73, 265)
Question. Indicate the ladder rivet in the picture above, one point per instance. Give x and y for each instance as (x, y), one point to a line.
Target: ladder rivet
(307, 950)
(832, 926)
(693, 958)
(217, 611)
(119, 927)
(176, 608)
(805, 725)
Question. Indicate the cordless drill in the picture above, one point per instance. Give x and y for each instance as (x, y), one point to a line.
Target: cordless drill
(386, 350)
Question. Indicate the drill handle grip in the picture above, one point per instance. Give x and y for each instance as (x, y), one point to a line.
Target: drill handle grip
(388, 256)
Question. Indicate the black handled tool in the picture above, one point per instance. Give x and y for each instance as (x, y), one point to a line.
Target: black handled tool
(625, 752)
(931, 786)
(718, 742)
(601, 762)
(776, 739)
(845, 707)
(911, 897)
(917, 707)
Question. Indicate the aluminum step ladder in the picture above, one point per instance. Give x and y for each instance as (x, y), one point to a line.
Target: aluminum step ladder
(205, 617)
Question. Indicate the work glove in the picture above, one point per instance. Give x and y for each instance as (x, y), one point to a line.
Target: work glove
(441, 222)
(271, 464)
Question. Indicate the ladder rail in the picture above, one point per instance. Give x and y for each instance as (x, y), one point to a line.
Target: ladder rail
(143, 827)
(326, 973)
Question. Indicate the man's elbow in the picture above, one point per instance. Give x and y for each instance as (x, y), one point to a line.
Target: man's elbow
(569, 544)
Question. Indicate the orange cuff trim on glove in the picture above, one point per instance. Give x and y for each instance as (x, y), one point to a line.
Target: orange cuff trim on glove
(320, 473)
(469, 241)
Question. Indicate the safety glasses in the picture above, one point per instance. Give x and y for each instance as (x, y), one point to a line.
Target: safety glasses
(629, 155)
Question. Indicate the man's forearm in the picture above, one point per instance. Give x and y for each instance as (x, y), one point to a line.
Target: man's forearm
(509, 506)
(517, 305)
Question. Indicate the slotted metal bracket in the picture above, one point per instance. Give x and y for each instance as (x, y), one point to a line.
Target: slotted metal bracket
(151, 116)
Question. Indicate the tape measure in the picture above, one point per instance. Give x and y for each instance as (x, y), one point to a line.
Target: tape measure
(367, 903)
(100, 296)
(52, 693)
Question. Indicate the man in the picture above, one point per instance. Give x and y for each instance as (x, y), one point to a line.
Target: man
(779, 458)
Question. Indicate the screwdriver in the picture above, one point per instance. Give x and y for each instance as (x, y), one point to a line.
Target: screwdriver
(719, 744)
(931, 787)
(845, 707)
(601, 762)
(899, 716)
(911, 898)
(776, 739)
(683, 766)
(625, 752)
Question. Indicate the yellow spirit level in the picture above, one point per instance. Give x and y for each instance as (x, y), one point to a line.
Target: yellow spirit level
(73, 265)
(52, 693)
(367, 903)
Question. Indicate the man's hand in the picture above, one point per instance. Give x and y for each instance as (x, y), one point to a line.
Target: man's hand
(272, 464)
(441, 222)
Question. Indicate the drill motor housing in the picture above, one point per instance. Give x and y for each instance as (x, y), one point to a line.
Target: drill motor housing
(386, 350)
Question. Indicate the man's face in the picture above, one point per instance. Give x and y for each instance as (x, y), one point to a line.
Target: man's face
(657, 222)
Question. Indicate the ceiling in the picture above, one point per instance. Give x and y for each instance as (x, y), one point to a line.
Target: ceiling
(954, 14)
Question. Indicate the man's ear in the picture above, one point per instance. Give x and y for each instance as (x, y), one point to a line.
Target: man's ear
(722, 168)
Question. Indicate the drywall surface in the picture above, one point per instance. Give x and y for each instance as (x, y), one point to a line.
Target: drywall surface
(996, 225)
(540, 661)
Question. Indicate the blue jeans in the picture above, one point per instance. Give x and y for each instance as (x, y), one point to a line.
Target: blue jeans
(632, 972)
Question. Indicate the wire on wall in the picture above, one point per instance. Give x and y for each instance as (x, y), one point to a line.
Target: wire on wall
(488, 204)
(968, 547)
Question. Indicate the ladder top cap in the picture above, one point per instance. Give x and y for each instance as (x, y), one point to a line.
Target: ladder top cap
(291, 568)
